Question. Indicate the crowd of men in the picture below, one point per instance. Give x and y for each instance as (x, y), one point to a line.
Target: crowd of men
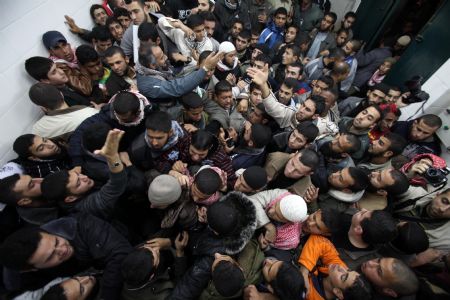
(229, 149)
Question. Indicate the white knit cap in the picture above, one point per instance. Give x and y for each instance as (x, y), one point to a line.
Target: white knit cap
(293, 208)
(226, 47)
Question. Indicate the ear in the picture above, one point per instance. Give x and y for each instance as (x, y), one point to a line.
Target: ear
(389, 292)
(250, 143)
(270, 288)
(45, 110)
(158, 41)
(170, 132)
(338, 293)
(358, 230)
(24, 202)
(127, 59)
(388, 153)
(368, 93)
(70, 199)
(373, 125)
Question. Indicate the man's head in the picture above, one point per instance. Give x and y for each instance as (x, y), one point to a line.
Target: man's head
(280, 17)
(352, 47)
(294, 70)
(46, 71)
(115, 28)
(284, 279)
(322, 222)
(393, 95)
(20, 190)
(349, 180)
(236, 27)
(65, 186)
(46, 96)
(202, 142)
(196, 22)
(439, 207)
(123, 16)
(98, 14)
(153, 57)
(140, 267)
(101, 38)
(349, 20)
(206, 183)
(348, 284)
(341, 146)
(374, 227)
(257, 50)
(424, 127)
(117, 61)
(77, 287)
(388, 182)
(255, 37)
(328, 21)
(305, 133)
(290, 208)
(340, 71)
(159, 129)
(376, 94)
(227, 275)
(57, 45)
(242, 41)
(229, 50)
(148, 34)
(89, 61)
(322, 84)
(287, 90)
(291, 34)
(127, 107)
(33, 248)
(368, 118)
(335, 55)
(301, 164)
(210, 22)
(193, 107)
(291, 54)
(34, 147)
(257, 114)
(252, 180)
(138, 11)
(201, 62)
(390, 276)
(386, 66)
(255, 94)
(205, 5)
(262, 62)
(256, 135)
(311, 109)
(342, 37)
(223, 95)
(387, 146)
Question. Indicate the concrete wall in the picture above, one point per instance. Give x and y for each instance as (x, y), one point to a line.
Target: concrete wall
(22, 24)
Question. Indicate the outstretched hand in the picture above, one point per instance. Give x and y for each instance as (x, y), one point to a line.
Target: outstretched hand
(212, 60)
(111, 146)
(259, 77)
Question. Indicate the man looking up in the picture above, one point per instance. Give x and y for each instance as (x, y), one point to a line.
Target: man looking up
(323, 37)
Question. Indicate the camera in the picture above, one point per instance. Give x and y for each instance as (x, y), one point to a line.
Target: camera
(436, 177)
(414, 86)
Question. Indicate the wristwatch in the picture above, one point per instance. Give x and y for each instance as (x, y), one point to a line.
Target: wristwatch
(188, 61)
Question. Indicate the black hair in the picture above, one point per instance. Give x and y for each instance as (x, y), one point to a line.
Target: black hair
(203, 55)
(56, 292)
(308, 129)
(341, 30)
(237, 21)
(328, 80)
(431, 120)
(7, 184)
(208, 181)
(126, 102)
(121, 12)
(203, 140)
(295, 50)
(297, 64)
(22, 145)
(194, 20)
(38, 67)
(264, 58)
(354, 142)
(94, 136)
(54, 188)
(350, 14)
(46, 95)
(146, 57)
(147, 31)
(337, 53)
(208, 16)
(191, 100)
(383, 87)
(93, 8)
(309, 158)
(398, 143)
(113, 50)
(319, 103)
(280, 11)
(405, 282)
(401, 183)
(361, 179)
(332, 15)
(101, 33)
(253, 86)
(332, 219)
(111, 20)
(288, 283)
(261, 135)
(411, 239)
(19, 247)
(158, 121)
(360, 289)
(137, 268)
(380, 228)
(246, 35)
(221, 87)
(356, 45)
(86, 54)
(290, 83)
(228, 278)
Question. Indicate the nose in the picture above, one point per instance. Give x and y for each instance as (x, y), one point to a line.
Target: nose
(217, 255)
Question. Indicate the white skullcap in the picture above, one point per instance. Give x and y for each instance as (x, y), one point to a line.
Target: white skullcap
(293, 208)
(226, 47)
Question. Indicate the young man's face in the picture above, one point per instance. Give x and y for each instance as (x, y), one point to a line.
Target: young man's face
(366, 119)
(43, 147)
(306, 111)
(79, 287)
(290, 35)
(52, 251)
(241, 44)
(101, 46)
(203, 5)
(56, 76)
(392, 96)
(270, 269)
(256, 97)
(288, 57)
(296, 140)
(292, 72)
(95, 69)
(225, 99)
(194, 114)
(116, 31)
(63, 51)
(157, 139)
(197, 155)
(385, 67)
(318, 86)
(375, 96)
(118, 64)
(28, 187)
(254, 40)
(326, 23)
(78, 183)
(360, 216)
(348, 48)
(236, 29)
(210, 26)
(380, 272)
(124, 21)
(421, 131)
(242, 186)
(295, 169)
(285, 94)
(315, 225)
(341, 39)
(388, 121)
(138, 14)
(280, 20)
(228, 59)
(341, 278)
(255, 116)
(381, 179)
(439, 208)
(379, 146)
(348, 22)
(199, 32)
(341, 179)
(340, 143)
(100, 16)
(255, 54)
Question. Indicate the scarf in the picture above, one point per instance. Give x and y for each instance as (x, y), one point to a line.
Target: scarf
(143, 102)
(72, 64)
(165, 75)
(232, 6)
(193, 44)
(376, 78)
(216, 196)
(438, 163)
(288, 234)
(224, 68)
(172, 141)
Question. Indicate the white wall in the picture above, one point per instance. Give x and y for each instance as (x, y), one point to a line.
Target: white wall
(22, 23)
